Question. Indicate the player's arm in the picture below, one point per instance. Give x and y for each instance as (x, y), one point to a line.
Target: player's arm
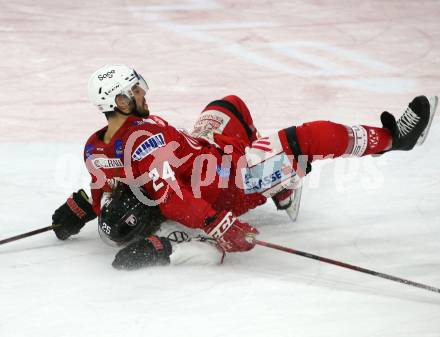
(156, 250)
(231, 234)
(78, 209)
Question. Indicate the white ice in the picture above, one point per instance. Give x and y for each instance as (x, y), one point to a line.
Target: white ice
(292, 62)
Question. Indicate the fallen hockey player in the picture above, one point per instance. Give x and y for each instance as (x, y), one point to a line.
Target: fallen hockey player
(205, 179)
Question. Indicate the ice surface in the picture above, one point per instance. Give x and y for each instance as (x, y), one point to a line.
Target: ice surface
(291, 61)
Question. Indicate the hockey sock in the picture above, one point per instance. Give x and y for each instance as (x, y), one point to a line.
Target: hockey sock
(323, 138)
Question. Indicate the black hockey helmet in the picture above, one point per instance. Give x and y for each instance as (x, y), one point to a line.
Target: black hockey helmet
(123, 217)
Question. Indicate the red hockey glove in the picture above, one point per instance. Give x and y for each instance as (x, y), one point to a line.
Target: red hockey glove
(231, 234)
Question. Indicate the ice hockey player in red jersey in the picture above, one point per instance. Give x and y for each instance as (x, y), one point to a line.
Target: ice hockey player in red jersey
(205, 179)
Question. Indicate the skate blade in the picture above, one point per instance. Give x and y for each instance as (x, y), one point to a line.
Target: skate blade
(293, 210)
(433, 102)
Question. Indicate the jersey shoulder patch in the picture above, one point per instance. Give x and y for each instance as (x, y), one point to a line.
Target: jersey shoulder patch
(93, 143)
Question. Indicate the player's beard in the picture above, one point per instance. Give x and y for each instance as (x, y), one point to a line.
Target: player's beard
(140, 111)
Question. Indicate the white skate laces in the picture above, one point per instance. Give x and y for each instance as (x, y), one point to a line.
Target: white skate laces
(407, 122)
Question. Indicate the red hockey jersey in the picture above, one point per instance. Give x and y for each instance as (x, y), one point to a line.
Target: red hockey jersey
(190, 178)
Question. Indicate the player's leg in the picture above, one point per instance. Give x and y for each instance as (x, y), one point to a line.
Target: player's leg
(228, 116)
(323, 139)
(242, 126)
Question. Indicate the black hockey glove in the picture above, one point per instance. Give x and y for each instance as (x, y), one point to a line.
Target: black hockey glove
(151, 251)
(71, 216)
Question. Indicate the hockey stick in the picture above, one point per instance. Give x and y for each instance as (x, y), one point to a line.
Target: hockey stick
(25, 235)
(348, 266)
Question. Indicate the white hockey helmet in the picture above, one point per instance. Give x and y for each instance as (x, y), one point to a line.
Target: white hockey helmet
(110, 81)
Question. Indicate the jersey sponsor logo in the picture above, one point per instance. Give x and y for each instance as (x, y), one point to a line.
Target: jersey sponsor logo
(259, 184)
(209, 123)
(213, 120)
(149, 146)
(107, 163)
(108, 74)
(119, 150)
(267, 174)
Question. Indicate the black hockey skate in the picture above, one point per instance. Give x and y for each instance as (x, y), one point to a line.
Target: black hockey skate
(413, 126)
